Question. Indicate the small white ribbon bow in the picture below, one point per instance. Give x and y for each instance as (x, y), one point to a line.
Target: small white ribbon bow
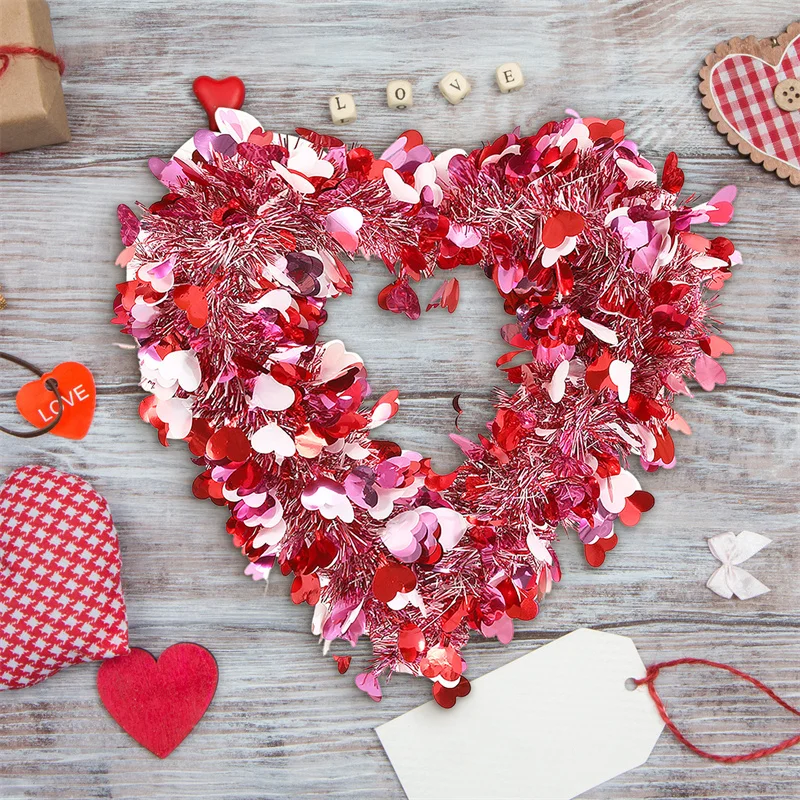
(730, 579)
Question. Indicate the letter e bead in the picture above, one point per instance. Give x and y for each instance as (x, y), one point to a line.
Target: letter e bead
(454, 87)
(343, 108)
(509, 77)
(399, 94)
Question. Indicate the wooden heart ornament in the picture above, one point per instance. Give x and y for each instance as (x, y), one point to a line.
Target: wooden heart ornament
(60, 596)
(158, 703)
(751, 88)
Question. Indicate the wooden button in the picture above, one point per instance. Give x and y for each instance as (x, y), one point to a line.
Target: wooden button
(787, 94)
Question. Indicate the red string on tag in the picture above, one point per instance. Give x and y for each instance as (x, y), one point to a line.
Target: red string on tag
(650, 680)
(7, 52)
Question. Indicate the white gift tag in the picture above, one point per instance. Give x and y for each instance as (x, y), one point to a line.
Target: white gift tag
(548, 726)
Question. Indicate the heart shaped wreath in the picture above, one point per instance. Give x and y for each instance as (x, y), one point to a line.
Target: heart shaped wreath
(228, 277)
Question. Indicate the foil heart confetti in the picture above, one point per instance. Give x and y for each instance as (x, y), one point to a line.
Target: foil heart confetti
(608, 288)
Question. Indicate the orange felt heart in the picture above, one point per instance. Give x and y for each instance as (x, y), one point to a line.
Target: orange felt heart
(214, 94)
(76, 385)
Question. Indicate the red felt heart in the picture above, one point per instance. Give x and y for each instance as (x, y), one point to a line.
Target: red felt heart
(60, 596)
(159, 702)
(740, 90)
(76, 385)
(214, 94)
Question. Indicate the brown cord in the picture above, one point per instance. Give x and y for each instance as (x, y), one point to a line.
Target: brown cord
(51, 384)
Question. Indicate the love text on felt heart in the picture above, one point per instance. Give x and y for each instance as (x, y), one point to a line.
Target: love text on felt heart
(739, 84)
(76, 385)
(60, 595)
(158, 703)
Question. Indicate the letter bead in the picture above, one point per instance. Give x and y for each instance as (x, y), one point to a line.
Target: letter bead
(343, 109)
(509, 77)
(399, 94)
(454, 87)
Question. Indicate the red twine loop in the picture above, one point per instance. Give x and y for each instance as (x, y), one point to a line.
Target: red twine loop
(650, 680)
(7, 52)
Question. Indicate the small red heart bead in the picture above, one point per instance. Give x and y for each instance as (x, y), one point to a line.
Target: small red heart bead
(214, 94)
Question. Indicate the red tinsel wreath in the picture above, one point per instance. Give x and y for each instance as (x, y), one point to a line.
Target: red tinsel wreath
(610, 293)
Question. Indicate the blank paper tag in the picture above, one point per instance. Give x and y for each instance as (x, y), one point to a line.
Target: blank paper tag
(548, 726)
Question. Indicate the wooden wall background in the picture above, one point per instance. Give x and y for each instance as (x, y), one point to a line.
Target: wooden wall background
(284, 724)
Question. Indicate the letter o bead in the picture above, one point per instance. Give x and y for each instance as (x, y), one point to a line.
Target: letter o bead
(399, 94)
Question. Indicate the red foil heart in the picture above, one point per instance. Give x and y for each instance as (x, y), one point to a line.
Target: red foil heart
(595, 553)
(391, 579)
(158, 703)
(60, 596)
(214, 94)
(446, 696)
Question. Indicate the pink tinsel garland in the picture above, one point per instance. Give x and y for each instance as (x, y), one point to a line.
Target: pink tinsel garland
(228, 276)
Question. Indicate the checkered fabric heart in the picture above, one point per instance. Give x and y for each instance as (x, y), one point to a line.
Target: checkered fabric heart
(743, 89)
(60, 595)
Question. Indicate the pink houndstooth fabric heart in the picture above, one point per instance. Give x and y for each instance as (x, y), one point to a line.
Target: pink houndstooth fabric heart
(60, 597)
(739, 87)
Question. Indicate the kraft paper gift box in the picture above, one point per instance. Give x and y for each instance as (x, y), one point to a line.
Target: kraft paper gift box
(32, 111)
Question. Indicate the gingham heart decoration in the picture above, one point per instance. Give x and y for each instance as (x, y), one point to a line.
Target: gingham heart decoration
(738, 84)
(60, 595)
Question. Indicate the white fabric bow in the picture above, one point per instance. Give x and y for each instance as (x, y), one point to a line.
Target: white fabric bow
(730, 579)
